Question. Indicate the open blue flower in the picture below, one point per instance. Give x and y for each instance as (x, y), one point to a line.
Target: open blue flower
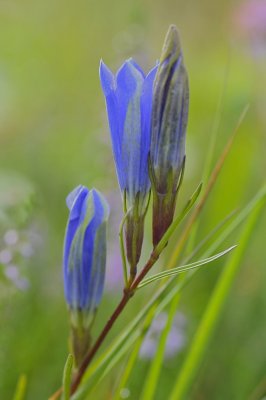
(128, 97)
(85, 251)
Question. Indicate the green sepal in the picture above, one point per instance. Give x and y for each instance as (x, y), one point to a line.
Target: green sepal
(80, 337)
(134, 231)
(164, 203)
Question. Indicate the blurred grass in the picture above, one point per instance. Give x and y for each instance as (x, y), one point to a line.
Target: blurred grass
(53, 132)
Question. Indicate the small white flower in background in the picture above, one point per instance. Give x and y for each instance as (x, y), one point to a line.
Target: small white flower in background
(175, 340)
(5, 256)
(16, 248)
(11, 237)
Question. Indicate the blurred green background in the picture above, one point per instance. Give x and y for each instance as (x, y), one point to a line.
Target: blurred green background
(54, 136)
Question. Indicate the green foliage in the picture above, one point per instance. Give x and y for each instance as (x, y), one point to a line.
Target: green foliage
(214, 307)
(54, 136)
(162, 298)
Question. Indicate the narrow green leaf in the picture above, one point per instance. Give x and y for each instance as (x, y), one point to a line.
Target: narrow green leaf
(165, 300)
(21, 388)
(183, 268)
(213, 310)
(163, 296)
(133, 356)
(67, 374)
(122, 249)
(90, 384)
(152, 379)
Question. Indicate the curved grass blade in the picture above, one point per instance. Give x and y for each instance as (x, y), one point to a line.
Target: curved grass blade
(134, 352)
(213, 177)
(163, 296)
(213, 310)
(67, 377)
(183, 268)
(154, 372)
(20, 392)
(133, 356)
(211, 182)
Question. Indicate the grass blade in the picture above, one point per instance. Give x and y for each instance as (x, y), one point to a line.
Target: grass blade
(67, 377)
(183, 268)
(163, 296)
(133, 356)
(213, 310)
(154, 372)
(21, 388)
(211, 182)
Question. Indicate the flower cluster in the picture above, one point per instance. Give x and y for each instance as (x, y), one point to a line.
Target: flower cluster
(129, 105)
(147, 118)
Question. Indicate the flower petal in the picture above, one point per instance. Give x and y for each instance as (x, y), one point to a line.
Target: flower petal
(128, 93)
(107, 79)
(146, 110)
(74, 202)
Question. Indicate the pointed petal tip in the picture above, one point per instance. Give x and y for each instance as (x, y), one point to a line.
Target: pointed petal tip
(75, 199)
(72, 196)
(106, 78)
(96, 193)
(128, 73)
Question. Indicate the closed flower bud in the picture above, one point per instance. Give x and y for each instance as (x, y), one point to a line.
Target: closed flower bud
(168, 132)
(84, 262)
(128, 97)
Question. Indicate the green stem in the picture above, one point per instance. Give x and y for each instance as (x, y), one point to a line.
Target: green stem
(122, 249)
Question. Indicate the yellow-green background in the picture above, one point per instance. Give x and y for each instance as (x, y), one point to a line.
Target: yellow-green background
(54, 133)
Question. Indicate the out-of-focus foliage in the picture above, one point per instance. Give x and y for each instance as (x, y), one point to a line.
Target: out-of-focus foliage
(54, 136)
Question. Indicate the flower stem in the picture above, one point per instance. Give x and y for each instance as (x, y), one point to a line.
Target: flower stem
(126, 297)
(99, 341)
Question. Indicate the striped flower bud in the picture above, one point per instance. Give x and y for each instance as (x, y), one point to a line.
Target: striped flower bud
(84, 262)
(168, 132)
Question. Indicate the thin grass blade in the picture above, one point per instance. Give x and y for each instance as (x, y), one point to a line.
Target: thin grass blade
(67, 377)
(165, 294)
(20, 391)
(152, 379)
(183, 268)
(213, 310)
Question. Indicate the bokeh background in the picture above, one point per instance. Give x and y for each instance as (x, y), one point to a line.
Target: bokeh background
(54, 136)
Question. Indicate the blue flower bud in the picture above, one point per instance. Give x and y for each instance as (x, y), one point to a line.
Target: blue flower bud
(84, 262)
(128, 97)
(85, 249)
(129, 100)
(168, 132)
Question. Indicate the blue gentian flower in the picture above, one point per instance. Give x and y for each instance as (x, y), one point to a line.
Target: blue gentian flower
(85, 250)
(84, 263)
(168, 132)
(128, 96)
